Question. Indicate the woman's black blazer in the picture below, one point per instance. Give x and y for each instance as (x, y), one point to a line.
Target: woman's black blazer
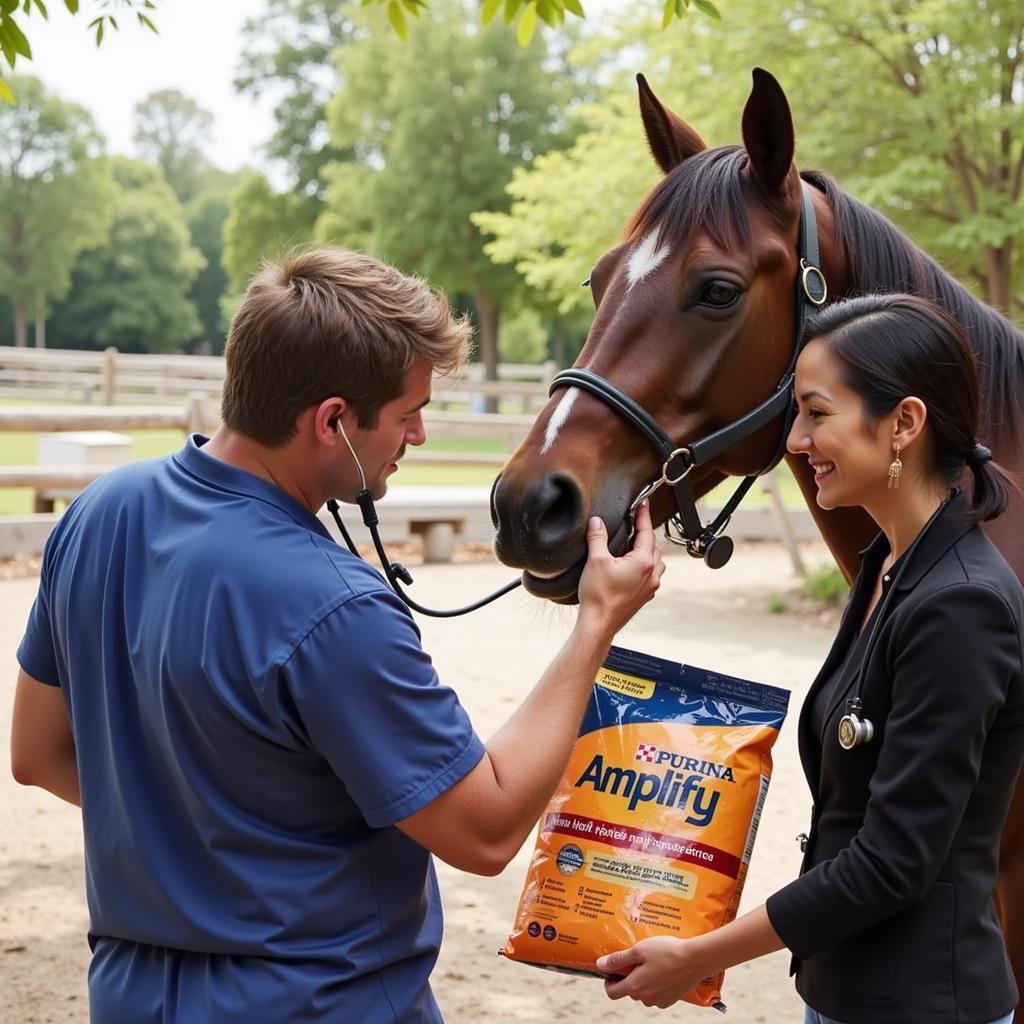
(892, 919)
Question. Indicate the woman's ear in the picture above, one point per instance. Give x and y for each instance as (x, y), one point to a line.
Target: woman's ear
(908, 424)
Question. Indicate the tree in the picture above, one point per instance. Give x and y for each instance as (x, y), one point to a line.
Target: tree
(945, 161)
(133, 290)
(438, 128)
(48, 165)
(261, 225)
(529, 13)
(14, 42)
(171, 130)
(291, 47)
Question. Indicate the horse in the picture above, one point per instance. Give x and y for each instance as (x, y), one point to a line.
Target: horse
(695, 326)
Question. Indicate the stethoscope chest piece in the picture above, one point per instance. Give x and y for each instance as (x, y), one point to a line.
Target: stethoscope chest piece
(855, 731)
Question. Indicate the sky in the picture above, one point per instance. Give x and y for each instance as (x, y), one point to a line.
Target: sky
(196, 51)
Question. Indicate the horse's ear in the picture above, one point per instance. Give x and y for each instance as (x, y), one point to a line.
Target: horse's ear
(671, 140)
(768, 133)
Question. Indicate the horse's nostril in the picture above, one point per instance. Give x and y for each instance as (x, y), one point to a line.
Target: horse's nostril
(554, 507)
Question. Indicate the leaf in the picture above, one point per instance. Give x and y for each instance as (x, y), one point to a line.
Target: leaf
(71, 5)
(99, 31)
(681, 7)
(397, 19)
(575, 7)
(113, 22)
(412, 6)
(527, 25)
(5, 93)
(490, 9)
(8, 6)
(670, 10)
(41, 7)
(17, 38)
(511, 10)
(145, 21)
(708, 8)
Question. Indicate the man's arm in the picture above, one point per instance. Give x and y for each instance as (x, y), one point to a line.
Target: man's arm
(480, 823)
(42, 745)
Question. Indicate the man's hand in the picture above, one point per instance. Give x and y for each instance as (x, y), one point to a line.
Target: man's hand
(613, 590)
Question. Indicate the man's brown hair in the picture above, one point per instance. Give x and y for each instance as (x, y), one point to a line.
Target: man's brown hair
(330, 322)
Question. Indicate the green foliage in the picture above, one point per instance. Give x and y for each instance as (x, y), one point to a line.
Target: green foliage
(944, 162)
(528, 12)
(48, 162)
(826, 584)
(437, 130)
(133, 290)
(14, 42)
(261, 224)
(206, 216)
(290, 48)
(776, 604)
(524, 338)
(171, 130)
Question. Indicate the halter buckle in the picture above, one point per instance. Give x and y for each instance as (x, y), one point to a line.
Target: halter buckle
(812, 280)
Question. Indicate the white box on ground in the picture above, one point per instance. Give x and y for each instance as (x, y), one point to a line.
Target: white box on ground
(84, 448)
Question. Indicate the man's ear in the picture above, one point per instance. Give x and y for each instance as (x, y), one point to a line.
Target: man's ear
(327, 416)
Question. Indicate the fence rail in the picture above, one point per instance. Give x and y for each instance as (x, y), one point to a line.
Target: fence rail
(111, 378)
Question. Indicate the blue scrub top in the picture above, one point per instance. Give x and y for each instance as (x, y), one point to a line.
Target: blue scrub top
(252, 712)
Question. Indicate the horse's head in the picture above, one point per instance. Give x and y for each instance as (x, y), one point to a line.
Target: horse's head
(695, 321)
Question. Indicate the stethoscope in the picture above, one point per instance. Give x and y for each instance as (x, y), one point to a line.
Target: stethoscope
(855, 729)
(395, 571)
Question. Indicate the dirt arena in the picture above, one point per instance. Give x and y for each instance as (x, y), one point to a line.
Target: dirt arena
(720, 620)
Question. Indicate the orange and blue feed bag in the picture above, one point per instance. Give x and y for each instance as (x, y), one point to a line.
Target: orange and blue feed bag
(652, 825)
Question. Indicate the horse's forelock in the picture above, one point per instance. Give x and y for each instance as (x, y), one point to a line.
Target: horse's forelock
(703, 194)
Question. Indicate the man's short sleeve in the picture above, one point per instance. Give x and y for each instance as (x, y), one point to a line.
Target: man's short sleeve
(370, 702)
(37, 653)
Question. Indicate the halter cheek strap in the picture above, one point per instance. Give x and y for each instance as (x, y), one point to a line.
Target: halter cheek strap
(684, 526)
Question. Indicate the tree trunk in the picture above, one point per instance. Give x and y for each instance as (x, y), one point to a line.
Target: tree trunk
(998, 276)
(20, 324)
(489, 314)
(40, 319)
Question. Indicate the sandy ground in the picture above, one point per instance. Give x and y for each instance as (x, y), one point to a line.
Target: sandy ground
(717, 620)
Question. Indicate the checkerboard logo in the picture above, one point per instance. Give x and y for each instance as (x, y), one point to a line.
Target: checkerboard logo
(646, 752)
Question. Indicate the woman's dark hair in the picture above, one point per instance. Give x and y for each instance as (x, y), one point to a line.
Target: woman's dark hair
(893, 346)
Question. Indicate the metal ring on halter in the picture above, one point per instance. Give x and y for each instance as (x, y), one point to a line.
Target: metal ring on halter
(809, 271)
(682, 476)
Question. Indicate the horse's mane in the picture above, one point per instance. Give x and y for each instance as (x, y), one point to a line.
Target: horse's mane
(880, 258)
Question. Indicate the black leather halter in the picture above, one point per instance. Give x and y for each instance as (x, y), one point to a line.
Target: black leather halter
(684, 526)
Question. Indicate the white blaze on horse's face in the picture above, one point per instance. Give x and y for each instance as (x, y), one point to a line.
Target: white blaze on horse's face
(558, 418)
(646, 257)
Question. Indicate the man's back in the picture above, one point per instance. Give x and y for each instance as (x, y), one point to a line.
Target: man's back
(235, 681)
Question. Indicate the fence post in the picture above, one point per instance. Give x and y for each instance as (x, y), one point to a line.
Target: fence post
(195, 413)
(770, 485)
(109, 375)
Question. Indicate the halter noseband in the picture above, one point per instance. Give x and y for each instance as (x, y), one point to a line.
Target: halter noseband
(684, 526)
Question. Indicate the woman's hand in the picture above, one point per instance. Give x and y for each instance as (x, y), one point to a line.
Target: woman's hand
(656, 972)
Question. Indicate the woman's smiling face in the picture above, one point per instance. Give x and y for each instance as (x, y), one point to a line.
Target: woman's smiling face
(849, 452)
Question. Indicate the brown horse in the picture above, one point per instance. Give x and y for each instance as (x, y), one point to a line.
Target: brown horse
(695, 321)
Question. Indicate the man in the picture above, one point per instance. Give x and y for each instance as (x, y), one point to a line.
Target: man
(264, 756)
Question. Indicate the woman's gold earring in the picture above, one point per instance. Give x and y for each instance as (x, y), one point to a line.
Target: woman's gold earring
(895, 467)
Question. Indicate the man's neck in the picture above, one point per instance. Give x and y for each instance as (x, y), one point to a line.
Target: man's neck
(271, 464)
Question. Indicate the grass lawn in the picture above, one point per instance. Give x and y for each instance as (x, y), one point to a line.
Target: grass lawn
(18, 449)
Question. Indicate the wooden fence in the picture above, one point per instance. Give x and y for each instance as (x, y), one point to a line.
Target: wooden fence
(112, 378)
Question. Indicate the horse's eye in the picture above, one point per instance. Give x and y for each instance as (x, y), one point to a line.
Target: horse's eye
(719, 294)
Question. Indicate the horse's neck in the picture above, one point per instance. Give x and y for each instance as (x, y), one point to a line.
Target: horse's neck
(846, 531)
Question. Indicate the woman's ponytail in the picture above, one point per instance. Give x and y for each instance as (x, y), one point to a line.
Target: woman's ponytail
(992, 486)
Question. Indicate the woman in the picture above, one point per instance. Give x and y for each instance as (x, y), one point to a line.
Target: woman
(912, 735)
